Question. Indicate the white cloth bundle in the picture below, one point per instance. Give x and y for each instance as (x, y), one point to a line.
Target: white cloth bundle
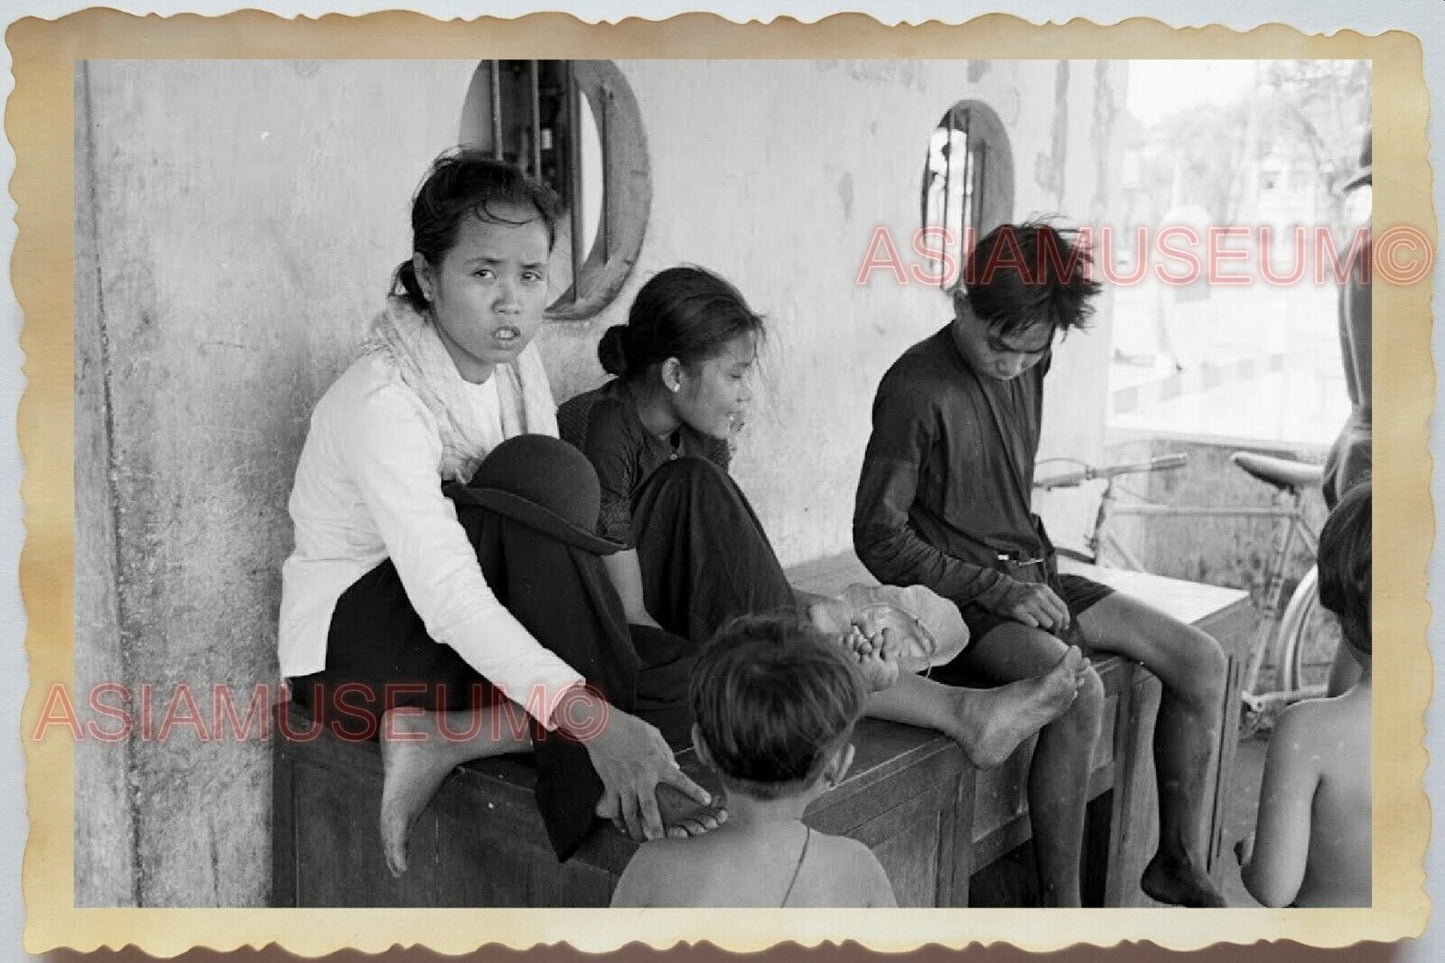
(410, 343)
(927, 627)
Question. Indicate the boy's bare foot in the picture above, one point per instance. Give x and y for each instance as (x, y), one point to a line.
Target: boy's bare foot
(992, 722)
(411, 771)
(1180, 884)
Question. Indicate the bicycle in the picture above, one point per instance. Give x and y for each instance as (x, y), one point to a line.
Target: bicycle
(1284, 626)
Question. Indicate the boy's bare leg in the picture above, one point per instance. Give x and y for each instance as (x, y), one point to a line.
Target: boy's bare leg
(1191, 667)
(989, 724)
(1059, 773)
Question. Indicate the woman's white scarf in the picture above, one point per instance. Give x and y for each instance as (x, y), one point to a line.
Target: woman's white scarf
(409, 342)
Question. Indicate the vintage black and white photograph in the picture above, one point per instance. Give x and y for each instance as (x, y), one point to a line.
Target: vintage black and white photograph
(731, 483)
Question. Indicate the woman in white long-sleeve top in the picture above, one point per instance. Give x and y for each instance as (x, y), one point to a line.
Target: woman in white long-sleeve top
(445, 571)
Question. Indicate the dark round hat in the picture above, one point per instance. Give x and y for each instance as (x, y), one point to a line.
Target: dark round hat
(545, 484)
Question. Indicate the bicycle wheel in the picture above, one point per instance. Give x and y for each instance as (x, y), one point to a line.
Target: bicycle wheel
(1309, 638)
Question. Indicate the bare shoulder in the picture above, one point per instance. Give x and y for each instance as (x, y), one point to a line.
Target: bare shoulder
(1298, 716)
(1296, 727)
(651, 874)
(1322, 729)
(1314, 718)
(850, 860)
(661, 855)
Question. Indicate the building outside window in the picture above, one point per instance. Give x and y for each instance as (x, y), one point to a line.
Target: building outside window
(576, 126)
(967, 182)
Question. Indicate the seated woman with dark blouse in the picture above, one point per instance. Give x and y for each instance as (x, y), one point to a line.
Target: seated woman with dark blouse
(695, 555)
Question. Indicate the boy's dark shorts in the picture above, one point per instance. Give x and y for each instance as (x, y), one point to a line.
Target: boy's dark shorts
(1078, 593)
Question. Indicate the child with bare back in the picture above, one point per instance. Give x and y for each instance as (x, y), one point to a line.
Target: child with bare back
(1311, 844)
(775, 704)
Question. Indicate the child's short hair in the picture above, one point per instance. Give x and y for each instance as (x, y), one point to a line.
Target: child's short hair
(774, 700)
(1344, 565)
(1020, 275)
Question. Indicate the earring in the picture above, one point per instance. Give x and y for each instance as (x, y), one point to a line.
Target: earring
(676, 388)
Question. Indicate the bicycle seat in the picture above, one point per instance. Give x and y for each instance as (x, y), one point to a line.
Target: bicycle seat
(1280, 472)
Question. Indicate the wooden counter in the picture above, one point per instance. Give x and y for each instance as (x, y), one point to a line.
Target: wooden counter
(934, 821)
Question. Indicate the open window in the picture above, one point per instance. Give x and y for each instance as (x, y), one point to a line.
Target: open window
(968, 180)
(576, 126)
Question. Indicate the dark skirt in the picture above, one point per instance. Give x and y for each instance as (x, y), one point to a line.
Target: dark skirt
(703, 553)
(379, 656)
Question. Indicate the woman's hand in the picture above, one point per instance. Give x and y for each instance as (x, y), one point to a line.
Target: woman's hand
(1035, 605)
(631, 758)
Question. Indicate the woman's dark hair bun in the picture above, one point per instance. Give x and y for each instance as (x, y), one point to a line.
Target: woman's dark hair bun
(684, 312)
(612, 350)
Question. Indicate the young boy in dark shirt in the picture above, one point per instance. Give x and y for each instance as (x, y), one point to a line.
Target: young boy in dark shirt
(945, 501)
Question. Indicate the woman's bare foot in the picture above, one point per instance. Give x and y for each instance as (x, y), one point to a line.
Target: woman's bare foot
(878, 663)
(876, 659)
(414, 765)
(1180, 883)
(411, 773)
(681, 816)
(828, 615)
(993, 722)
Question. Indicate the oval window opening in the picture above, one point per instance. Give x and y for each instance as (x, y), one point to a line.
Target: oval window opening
(574, 124)
(968, 184)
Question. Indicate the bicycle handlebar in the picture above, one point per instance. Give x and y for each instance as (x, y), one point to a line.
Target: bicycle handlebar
(1167, 462)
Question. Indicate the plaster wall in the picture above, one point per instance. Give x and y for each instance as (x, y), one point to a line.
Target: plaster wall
(238, 223)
